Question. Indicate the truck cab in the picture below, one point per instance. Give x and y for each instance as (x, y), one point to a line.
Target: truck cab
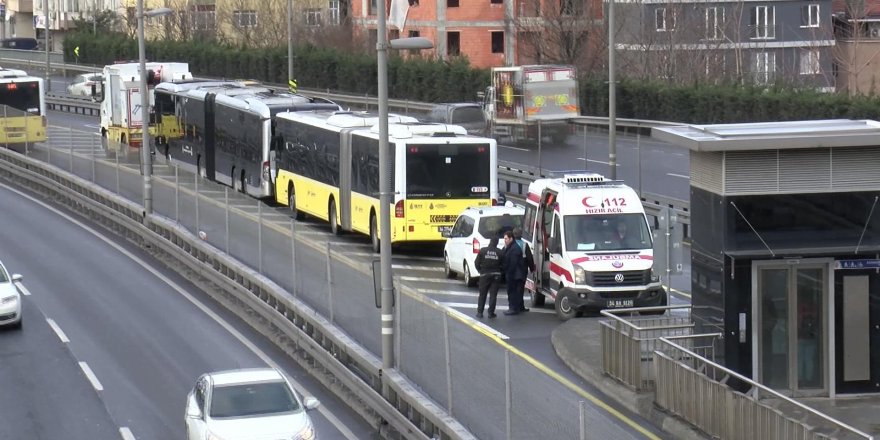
(592, 246)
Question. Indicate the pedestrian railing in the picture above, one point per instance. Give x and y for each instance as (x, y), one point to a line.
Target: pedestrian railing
(629, 339)
(728, 405)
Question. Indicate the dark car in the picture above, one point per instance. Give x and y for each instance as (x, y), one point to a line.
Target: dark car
(466, 114)
(19, 43)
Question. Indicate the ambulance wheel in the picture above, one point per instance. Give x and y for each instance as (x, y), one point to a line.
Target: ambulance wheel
(564, 310)
(446, 269)
(537, 299)
(468, 279)
(374, 234)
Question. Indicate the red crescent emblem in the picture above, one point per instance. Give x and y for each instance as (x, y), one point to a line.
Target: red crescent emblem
(586, 202)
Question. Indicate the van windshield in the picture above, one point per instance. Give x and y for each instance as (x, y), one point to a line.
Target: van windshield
(614, 232)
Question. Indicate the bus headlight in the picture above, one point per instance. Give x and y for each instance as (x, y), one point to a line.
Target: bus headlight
(580, 276)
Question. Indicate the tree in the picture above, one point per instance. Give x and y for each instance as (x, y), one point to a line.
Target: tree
(558, 31)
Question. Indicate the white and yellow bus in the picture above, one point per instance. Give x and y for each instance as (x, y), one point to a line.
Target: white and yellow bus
(326, 164)
(22, 108)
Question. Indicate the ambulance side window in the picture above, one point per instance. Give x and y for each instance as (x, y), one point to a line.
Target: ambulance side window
(529, 223)
(556, 237)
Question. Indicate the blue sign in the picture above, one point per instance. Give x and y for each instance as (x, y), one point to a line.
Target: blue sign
(857, 264)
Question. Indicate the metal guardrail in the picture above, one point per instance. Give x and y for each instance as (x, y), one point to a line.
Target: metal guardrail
(80, 106)
(697, 389)
(628, 344)
(318, 345)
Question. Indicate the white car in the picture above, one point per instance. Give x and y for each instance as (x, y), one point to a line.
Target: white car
(10, 299)
(472, 232)
(82, 84)
(255, 403)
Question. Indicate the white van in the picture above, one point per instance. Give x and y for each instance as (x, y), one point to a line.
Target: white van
(592, 244)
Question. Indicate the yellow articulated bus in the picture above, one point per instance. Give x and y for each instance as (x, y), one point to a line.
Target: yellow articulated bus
(23, 107)
(326, 164)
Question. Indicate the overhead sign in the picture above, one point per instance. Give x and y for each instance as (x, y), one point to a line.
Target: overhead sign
(857, 264)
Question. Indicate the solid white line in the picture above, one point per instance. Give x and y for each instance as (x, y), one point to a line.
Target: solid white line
(513, 148)
(412, 267)
(58, 330)
(424, 280)
(497, 307)
(228, 327)
(22, 289)
(448, 293)
(679, 175)
(126, 434)
(91, 376)
(597, 161)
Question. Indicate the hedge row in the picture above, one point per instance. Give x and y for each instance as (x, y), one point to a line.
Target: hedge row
(430, 80)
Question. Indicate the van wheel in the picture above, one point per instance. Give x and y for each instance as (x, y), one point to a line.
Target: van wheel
(537, 299)
(291, 203)
(564, 310)
(468, 279)
(374, 234)
(446, 269)
(334, 224)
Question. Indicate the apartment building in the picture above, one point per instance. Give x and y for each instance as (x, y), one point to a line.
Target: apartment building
(857, 30)
(29, 18)
(759, 42)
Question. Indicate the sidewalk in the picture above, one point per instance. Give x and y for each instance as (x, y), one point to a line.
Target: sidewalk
(578, 343)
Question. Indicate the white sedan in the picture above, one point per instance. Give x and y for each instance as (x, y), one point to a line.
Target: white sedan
(82, 84)
(471, 232)
(255, 403)
(10, 299)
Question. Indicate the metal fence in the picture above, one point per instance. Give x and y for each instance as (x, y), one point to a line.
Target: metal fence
(727, 405)
(629, 340)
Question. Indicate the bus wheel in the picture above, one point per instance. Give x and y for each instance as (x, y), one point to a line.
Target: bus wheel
(537, 299)
(374, 233)
(334, 223)
(564, 310)
(291, 202)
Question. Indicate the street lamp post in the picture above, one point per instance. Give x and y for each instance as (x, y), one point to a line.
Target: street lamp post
(46, 39)
(289, 40)
(146, 156)
(385, 189)
(612, 95)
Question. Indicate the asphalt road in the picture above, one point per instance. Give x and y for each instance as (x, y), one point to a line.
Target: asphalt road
(144, 332)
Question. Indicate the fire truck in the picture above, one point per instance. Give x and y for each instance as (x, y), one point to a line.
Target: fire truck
(592, 246)
(121, 113)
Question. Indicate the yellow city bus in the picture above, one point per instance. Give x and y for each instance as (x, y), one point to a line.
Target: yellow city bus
(326, 164)
(23, 107)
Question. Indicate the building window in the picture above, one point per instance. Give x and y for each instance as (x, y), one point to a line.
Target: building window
(451, 3)
(203, 17)
(764, 22)
(570, 7)
(496, 2)
(394, 34)
(373, 7)
(312, 17)
(453, 44)
(244, 19)
(765, 67)
(716, 66)
(664, 20)
(497, 42)
(810, 16)
(333, 8)
(714, 22)
(414, 34)
(810, 62)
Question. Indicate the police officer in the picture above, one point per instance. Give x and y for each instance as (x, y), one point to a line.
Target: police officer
(488, 263)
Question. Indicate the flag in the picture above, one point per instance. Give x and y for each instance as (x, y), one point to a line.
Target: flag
(397, 16)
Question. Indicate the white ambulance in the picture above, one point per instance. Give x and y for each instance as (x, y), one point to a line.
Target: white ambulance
(592, 246)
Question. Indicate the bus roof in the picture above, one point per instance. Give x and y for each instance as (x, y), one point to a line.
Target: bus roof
(339, 120)
(12, 73)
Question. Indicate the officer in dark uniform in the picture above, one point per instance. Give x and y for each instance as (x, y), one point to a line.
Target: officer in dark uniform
(488, 263)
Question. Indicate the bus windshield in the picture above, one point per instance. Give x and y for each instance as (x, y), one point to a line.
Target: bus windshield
(447, 171)
(22, 96)
(615, 232)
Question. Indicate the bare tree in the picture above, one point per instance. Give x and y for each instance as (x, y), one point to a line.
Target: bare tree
(558, 31)
(857, 49)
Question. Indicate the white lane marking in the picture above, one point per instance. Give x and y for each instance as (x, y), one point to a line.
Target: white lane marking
(479, 324)
(22, 289)
(413, 267)
(424, 280)
(448, 293)
(126, 433)
(679, 175)
(597, 161)
(91, 376)
(92, 126)
(498, 307)
(513, 148)
(235, 333)
(58, 330)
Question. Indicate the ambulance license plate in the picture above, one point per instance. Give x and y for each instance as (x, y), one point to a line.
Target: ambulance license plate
(619, 303)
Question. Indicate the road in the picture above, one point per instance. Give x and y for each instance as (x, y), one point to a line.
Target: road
(112, 342)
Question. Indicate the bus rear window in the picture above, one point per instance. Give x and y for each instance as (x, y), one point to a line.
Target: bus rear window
(447, 171)
(20, 96)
